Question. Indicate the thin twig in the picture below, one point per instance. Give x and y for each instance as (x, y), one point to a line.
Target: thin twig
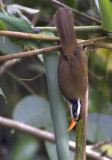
(103, 45)
(29, 53)
(77, 28)
(7, 65)
(98, 145)
(94, 75)
(44, 135)
(49, 38)
(49, 49)
(30, 90)
(78, 12)
(44, 37)
(91, 41)
(28, 36)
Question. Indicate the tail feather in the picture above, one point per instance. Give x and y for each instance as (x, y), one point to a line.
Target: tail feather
(64, 23)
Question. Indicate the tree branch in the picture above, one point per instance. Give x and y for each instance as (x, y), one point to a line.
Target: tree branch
(103, 45)
(44, 135)
(29, 53)
(76, 11)
(7, 65)
(28, 36)
(54, 48)
(98, 145)
(44, 37)
(48, 38)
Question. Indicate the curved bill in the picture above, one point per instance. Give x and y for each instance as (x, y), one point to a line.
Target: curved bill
(73, 123)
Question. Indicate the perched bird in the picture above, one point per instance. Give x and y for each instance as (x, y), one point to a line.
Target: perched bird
(72, 67)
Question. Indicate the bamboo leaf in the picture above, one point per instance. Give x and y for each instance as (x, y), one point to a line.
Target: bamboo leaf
(106, 14)
(25, 148)
(57, 107)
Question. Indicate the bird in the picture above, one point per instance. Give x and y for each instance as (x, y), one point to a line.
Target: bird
(72, 65)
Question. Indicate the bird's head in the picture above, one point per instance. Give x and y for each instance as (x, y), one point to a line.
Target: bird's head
(75, 107)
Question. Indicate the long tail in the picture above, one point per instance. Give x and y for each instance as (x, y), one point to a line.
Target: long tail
(64, 22)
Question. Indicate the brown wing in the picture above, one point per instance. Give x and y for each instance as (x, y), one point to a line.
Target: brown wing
(72, 76)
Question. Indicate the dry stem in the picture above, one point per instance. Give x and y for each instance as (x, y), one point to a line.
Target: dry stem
(44, 135)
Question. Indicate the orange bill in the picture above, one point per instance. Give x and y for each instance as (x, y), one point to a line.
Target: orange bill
(73, 123)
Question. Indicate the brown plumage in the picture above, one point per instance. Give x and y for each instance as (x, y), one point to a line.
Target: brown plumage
(72, 68)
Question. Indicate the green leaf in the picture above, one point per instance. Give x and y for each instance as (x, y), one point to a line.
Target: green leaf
(33, 110)
(2, 26)
(2, 94)
(99, 127)
(57, 106)
(106, 14)
(7, 47)
(51, 148)
(25, 148)
(18, 25)
(15, 24)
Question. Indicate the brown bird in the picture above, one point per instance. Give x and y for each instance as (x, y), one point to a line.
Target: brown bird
(72, 67)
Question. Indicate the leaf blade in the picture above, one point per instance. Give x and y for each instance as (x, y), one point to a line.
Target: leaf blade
(106, 16)
(57, 107)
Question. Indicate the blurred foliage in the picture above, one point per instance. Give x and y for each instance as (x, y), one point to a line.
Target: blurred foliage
(35, 109)
(106, 16)
(2, 94)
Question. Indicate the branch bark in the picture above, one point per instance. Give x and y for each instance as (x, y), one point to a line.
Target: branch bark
(28, 36)
(98, 145)
(44, 37)
(54, 48)
(29, 53)
(44, 135)
(78, 12)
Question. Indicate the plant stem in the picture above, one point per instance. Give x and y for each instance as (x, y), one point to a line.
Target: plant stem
(28, 36)
(21, 82)
(77, 28)
(54, 48)
(29, 53)
(44, 37)
(24, 128)
(78, 12)
(81, 129)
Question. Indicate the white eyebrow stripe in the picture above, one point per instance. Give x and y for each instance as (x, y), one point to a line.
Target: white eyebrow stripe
(79, 108)
(71, 110)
